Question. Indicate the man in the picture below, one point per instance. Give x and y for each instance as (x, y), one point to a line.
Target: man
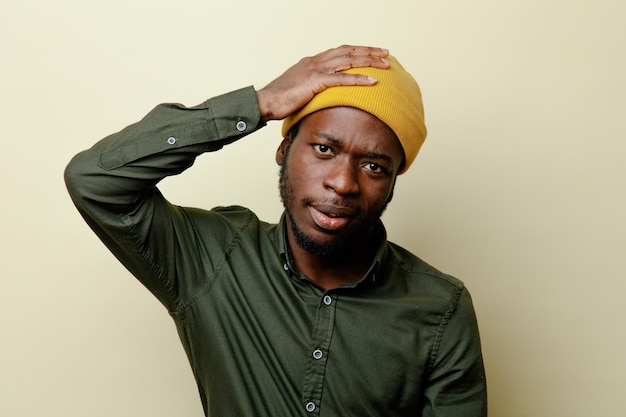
(318, 314)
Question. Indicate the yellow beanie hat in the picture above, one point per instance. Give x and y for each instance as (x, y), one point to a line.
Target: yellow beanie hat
(395, 99)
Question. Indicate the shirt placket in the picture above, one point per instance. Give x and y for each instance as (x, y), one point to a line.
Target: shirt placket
(318, 354)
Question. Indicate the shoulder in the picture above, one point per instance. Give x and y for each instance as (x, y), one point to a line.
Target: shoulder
(237, 216)
(230, 216)
(411, 278)
(432, 294)
(416, 268)
(236, 219)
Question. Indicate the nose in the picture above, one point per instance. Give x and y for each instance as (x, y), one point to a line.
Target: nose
(342, 177)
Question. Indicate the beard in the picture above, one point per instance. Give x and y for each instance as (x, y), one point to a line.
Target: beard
(308, 243)
(314, 247)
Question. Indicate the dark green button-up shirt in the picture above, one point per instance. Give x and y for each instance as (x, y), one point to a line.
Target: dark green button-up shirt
(262, 339)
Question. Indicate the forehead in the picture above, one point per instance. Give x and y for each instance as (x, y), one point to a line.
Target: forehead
(353, 128)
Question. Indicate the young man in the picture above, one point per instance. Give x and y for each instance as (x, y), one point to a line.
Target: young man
(318, 314)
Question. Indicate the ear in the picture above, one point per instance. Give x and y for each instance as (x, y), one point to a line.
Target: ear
(281, 152)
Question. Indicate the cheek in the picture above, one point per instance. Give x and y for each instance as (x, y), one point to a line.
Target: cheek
(378, 196)
(305, 172)
(297, 178)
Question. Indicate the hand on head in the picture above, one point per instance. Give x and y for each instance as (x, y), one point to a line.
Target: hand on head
(312, 75)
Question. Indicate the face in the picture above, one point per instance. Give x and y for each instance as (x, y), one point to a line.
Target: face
(337, 177)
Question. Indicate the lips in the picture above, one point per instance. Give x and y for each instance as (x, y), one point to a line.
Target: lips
(331, 218)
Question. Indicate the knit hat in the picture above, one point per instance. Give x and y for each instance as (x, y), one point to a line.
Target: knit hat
(395, 99)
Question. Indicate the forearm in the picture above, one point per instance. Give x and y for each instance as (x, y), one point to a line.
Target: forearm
(119, 169)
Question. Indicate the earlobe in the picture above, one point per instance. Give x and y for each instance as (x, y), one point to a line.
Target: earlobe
(282, 151)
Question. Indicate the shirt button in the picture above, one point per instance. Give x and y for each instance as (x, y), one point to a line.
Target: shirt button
(310, 407)
(241, 126)
(317, 354)
(328, 300)
(171, 140)
(286, 267)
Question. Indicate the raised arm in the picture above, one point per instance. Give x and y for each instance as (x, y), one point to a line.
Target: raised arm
(113, 183)
(117, 170)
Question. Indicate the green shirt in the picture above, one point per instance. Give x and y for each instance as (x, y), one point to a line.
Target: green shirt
(262, 339)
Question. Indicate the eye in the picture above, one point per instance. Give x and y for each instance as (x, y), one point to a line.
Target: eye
(374, 167)
(322, 149)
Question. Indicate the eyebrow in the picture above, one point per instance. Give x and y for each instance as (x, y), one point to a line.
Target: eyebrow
(328, 137)
(336, 141)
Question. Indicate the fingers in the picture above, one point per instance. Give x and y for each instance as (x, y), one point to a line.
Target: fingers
(312, 75)
(330, 64)
(349, 56)
(357, 50)
(325, 69)
(345, 79)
